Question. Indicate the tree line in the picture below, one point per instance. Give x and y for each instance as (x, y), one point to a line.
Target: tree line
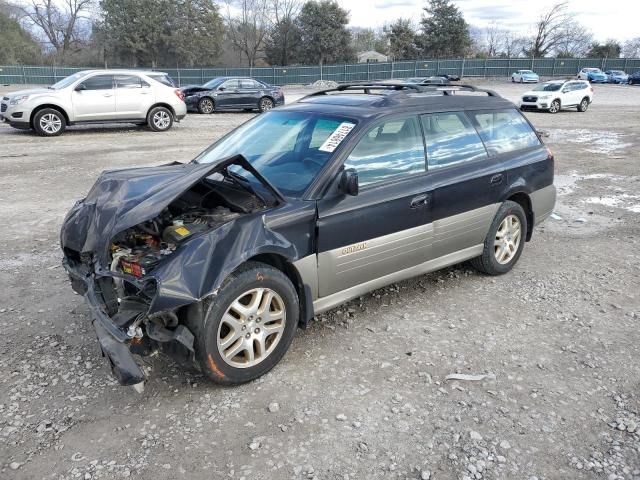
(197, 33)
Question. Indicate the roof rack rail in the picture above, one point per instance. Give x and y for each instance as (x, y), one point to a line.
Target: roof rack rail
(367, 87)
(453, 88)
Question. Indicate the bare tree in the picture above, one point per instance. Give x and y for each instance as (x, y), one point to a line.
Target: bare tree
(549, 30)
(494, 39)
(513, 45)
(59, 21)
(631, 48)
(575, 40)
(247, 25)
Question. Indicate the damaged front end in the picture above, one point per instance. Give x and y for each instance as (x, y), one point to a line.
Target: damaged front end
(147, 245)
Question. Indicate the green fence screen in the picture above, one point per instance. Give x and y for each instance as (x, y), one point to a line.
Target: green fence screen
(466, 67)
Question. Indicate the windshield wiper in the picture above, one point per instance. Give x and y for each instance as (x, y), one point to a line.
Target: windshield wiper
(243, 183)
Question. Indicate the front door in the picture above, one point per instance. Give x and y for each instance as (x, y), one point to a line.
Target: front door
(386, 227)
(94, 99)
(133, 97)
(228, 95)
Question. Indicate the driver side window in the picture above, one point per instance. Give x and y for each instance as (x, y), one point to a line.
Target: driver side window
(387, 151)
(99, 82)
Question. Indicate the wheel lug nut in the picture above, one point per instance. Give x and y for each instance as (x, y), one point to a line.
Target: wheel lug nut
(257, 330)
(258, 320)
(244, 327)
(248, 335)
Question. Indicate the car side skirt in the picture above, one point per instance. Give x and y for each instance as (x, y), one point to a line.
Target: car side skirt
(326, 303)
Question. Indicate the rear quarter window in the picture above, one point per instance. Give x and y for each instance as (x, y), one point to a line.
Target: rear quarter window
(504, 131)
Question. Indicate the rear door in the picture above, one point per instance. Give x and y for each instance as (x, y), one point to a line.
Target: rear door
(133, 96)
(250, 90)
(467, 183)
(94, 99)
(386, 227)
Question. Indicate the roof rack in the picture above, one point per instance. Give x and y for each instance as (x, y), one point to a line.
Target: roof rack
(367, 87)
(447, 89)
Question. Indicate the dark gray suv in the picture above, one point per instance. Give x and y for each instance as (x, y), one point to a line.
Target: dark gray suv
(218, 261)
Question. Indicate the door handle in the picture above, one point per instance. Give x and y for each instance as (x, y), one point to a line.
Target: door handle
(497, 179)
(421, 200)
(107, 94)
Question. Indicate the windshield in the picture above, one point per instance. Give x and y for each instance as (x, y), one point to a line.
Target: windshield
(526, 71)
(65, 82)
(617, 72)
(288, 148)
(547, 87)
(214, 83)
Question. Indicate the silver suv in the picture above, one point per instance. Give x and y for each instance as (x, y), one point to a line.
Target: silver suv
(97, 96)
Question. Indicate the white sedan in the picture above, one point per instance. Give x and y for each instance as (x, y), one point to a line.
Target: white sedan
(525, 76)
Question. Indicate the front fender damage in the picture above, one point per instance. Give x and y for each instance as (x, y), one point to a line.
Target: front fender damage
(141, 313)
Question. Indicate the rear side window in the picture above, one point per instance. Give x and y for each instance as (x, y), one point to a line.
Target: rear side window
(389, 150)
(164, 79)
(248, 83)
(504, 131)
(99, 82)
(128, 81)
(451, 139)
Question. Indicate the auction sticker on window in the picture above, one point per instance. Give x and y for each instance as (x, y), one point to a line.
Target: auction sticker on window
(338, 135)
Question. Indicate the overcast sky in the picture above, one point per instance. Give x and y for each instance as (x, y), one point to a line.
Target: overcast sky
(619, 19)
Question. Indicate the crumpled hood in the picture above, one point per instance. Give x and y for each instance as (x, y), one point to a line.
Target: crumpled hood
(121, 199)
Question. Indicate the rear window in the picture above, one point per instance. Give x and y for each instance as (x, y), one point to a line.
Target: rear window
(504, 131)
(164, 79)
(451, 139)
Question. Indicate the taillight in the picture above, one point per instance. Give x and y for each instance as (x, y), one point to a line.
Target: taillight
(179, 94)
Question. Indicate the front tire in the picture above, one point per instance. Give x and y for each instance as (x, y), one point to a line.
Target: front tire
(160, 119)
(206, 106)
(248, 326)
(49, 122)
(555, 106)
(504, 242)
(584, 105)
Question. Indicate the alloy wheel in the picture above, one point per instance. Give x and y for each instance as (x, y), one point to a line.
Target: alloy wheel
(508, 237)
(50, 123)
(161, 120)
(206, 105)
(251, 328)
(554, 107)
(266, 104)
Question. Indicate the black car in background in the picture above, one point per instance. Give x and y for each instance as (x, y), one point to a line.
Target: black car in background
(232, 93)
(634, 78)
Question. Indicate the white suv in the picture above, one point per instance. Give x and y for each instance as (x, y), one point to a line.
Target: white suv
(97, 96)
(558, 94)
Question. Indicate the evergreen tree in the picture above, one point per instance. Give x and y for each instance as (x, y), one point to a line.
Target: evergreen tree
(324, 34)
(402, 40)
(445, 32)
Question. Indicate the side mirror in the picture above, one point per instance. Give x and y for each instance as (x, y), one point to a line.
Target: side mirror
(221, 89)
(565, 90)
(81, 87)
(349, 182)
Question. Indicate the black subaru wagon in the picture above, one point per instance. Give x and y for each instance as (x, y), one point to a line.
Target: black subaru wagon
(219, 260)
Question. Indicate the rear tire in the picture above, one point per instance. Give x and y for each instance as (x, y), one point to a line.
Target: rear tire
(49, 122)
(265, 104)
(584, 105)
(160, 119)
(504, 242)
(231, 358)
(206, 106)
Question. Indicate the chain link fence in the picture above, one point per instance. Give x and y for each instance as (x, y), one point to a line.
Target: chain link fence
(296, 75)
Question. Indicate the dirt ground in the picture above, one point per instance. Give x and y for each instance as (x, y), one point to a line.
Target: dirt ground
(363, 391)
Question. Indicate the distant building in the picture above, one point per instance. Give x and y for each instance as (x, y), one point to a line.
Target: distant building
(371, 56)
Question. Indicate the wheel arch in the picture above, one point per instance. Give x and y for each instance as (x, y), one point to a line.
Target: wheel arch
(52, 106)
(282, 263)
(269, 96)
(523, 199)
(162, 104)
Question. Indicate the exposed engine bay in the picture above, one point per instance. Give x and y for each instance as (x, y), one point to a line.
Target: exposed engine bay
(209, 204)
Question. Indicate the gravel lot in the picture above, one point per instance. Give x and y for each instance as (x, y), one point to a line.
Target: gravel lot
(363, 391)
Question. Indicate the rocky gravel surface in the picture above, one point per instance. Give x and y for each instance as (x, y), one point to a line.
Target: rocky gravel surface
(533, 375)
